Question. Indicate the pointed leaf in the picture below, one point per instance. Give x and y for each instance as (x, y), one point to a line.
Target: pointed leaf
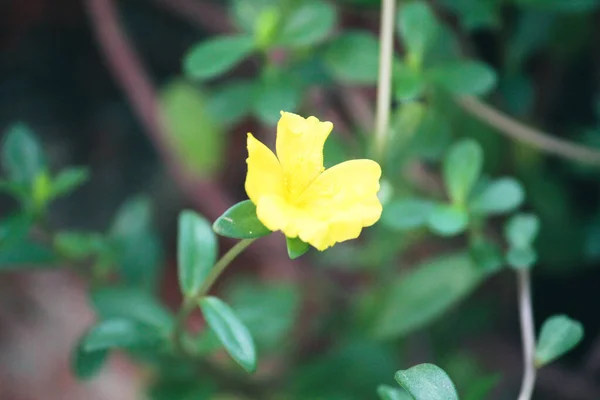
(427, 382)
(86, 365)
(462, 168)
(296, 247)
(232, 333)
(240, 222)
(120, 333)
(68, 180)
(559, 334)
(22, 155)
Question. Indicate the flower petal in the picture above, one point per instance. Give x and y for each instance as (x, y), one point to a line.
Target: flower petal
(265, 176)
(299, 146)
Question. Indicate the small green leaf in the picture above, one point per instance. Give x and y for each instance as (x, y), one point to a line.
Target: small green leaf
(559, 334)
(409, 83)
(132, 304)
(427, 382)
(14, 229)
(307, 24)
(487, 255)
(232, 333)
(433, 136)
(521, 257)
(522, 229)
(22, 155)
(196, 251)
(500, 196)
(425, 293)
(465, 77)
(406, 214)
(240, 222)
(247, 15)
(353, 57)
(120, 333)
(215, 56)
(68, 180)
(386, 392)
(462, 168)
(274, 93)
(296, 247)
(86, 365)
(232, 101)
(418, 29)
(447, 220)
(78, 245)
(24, 254)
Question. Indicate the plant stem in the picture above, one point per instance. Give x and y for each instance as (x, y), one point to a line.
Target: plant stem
(384, 83)
(189, 303)
(527, 334)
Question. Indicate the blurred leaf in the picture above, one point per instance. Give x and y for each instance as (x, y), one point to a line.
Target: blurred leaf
(518, 93)
(240, 222)
(406, 214)
(79, 245)
(487, 255)
(307, 24)
(68, 180)
(17, 190)
(276, 92)
(501, 196)
(196, 251)
(217, 55)
(22, 155)
(296, 247)
(447, 220)
(268, 310)
(427, 382)
(405, 122)
(574, 6)
(185, 389)
(14, 228)
(559, 334)
(521, 257)
(409, 83)
(353, 57)
(120, 333)
(86, 365)
(464, 77)
(195, 124)
(425, 293)
(530, 35)
(232, 332)
(462, 167)
(481, 388)
(247, 14)
(418, 29)
(433, 135)
(386, 392)
(522, 229)
(132, 304)
(476, 14)
(23, 254)
(134, 215)
(231, 101)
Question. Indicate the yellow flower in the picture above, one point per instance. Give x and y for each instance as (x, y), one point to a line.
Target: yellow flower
(293, 192)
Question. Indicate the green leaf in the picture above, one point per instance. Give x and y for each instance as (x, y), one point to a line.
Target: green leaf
(120, 333)
(426, 293)
(427, 382)
(86, 365)
(487, 255)
(476, 14)
(132, 304)
(418, 29)
(447, 220)
(353, 57)
(240, 222)
(307, 24)
(499, 197)
(24, 254)
(433, 136)
(196, 251)
(521, 257)
(232, 101)
(79, 245)
(247, 15)
(522, 229)
(133, 216)
(572, 6)
(296, 247)
(465, 77)
(68, 180)
(22, 155)
(14, 229)
(409, 83)
(559, 334)
(386, 392)
(462, 168)
(232, 333)
(215, 56)
(276, 92)
(406, 214)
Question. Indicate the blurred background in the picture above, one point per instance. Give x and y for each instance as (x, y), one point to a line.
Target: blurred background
(109, 85)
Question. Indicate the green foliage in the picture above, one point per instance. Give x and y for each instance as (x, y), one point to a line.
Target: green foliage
(196, 252)
(275, 92)
(216, 56)
(87, 364)
(418, 29)
(230, 331)
(462, 168)
(447, 220)
(559, 334)
(307, 24)
(353, 57)
(419, 297)
(389, 393)
(240, 222)
(501, 196)
(68, 180)
(22, 155)
(427, 382)
(408, 213)
(464, 78)
(231, 101)
(296, 247)
(120, 333)
(521, 231)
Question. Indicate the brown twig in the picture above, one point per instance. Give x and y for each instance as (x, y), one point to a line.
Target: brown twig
(523, 133)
